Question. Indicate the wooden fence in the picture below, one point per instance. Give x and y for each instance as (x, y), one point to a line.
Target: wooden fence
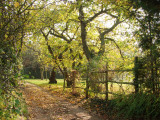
(107, 78)
(108, 81)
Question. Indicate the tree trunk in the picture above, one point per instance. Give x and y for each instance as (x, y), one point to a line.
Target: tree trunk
(69, 83)
(52, 79)
(67, 78)
(46, 74)
(83, 25)
(73, 79)
(42, 71)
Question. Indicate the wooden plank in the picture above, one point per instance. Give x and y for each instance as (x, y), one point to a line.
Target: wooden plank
(87, 82)
(131, 83)
(112, 71)
(80, 87)
(106, 82)
(103, 92)
(136, 74)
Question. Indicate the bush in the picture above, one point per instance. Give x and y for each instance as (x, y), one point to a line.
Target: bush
(138, 106)
(26, 76)
(12, 107)
(142, 106)
(32, 77)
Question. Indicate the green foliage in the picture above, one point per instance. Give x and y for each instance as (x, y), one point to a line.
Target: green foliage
(26, 76)
(12, 106)
(140, 106)
(148, 5)
(10, 67)
(137, 106)
(148, 37)
(13, 21)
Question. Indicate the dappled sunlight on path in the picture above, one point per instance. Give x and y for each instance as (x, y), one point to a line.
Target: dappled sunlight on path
(43, 106)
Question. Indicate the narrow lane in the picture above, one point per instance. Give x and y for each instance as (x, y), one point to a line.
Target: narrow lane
(43, 106)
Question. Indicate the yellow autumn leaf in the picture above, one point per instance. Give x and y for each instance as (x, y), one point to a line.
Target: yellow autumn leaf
(131, 8)
(118, 1)
(104, 1)
(16, 4)
(6, 36)
(1, 104)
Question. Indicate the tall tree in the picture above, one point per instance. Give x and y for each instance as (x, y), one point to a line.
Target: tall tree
(149, 40)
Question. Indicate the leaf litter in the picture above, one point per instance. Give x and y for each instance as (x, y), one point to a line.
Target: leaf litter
(45, 106)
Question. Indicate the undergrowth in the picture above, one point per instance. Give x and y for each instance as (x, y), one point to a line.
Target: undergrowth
(140, 106)
(12, 107)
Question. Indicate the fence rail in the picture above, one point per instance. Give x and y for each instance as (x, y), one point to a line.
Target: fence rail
(116, 81)
(131, 83)
(87, 80)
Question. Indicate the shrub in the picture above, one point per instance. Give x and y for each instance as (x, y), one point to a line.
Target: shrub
(138, 106)
(12, 106)
(142, 106)
(26, 76)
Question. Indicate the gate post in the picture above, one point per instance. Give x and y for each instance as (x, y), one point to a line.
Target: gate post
(106, 82)
(136, 86)
(87, 82)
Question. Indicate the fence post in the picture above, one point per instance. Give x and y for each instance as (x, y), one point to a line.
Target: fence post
(106, 82)
(136, 75)
(87, 82)
(73, 75)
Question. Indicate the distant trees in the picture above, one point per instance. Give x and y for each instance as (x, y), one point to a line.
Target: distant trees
(29, 61)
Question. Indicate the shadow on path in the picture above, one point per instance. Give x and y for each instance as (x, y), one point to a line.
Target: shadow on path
(43, 106)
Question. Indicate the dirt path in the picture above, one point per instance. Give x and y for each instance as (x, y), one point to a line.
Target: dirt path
(43, 106)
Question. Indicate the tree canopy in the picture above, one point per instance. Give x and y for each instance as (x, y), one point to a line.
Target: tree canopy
(68, 35)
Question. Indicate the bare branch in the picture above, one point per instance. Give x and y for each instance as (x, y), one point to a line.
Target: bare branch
(107, 30)
(44, 35)
(114, 16)
(57, 34)
(116, 46)
(75, 32)
(66, 28)
(96, 15)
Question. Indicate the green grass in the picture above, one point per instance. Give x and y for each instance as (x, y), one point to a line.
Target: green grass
(113, 87)
(58, 88)
(44, 82)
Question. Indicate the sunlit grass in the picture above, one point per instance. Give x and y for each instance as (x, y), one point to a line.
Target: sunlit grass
(52, 87)
(44, 82)
(58, 88)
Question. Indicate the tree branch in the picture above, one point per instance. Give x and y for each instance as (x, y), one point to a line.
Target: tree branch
(116, 46)
(111, 28)
(59, 35)
(96, 15)
(114, 16)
